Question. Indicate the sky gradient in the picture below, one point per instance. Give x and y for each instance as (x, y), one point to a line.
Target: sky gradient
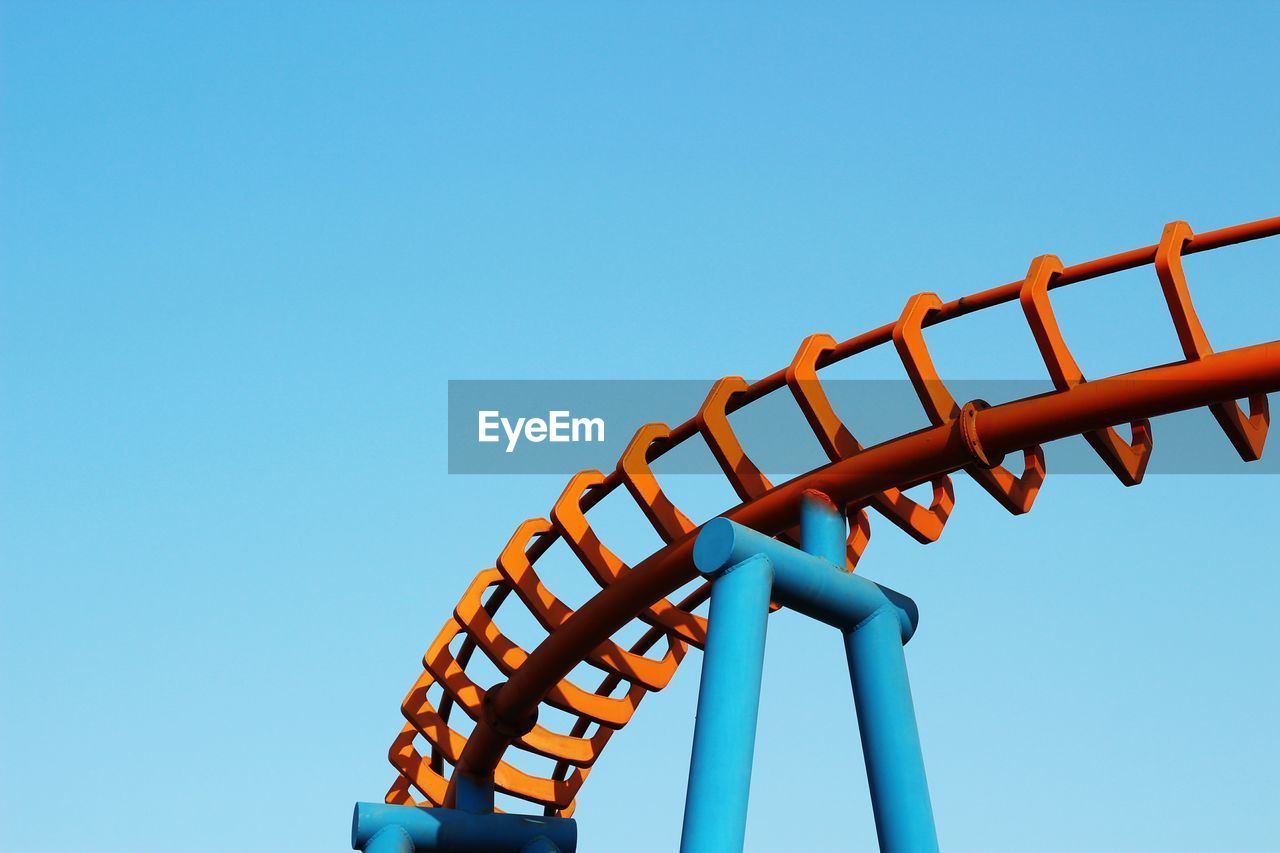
(244, 246)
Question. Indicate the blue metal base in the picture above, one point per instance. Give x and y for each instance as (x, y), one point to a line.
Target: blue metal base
(382, 828)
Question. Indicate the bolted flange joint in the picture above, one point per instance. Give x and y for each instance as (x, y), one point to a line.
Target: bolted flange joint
(969, 434)
(503, 726)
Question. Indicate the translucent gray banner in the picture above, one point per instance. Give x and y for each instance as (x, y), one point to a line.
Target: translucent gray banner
(564, 426)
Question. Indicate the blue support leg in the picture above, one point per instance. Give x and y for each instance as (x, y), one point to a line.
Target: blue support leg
(890, 739)
(472, 796)
(882, 694)
(822, 529)
(715, 809)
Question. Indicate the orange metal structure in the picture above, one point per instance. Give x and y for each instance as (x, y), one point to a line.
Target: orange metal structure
(972, 438)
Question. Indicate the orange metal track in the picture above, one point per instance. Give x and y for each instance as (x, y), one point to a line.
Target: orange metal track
(972, 438)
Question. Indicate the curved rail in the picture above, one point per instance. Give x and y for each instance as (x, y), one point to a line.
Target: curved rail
(972, 438)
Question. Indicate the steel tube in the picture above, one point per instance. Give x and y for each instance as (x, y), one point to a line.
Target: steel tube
(473, 795)
(379, 828)
(890, 739)
(724, 735)
(803, 582)
(882, 698)
(875, 621)
(822, 528)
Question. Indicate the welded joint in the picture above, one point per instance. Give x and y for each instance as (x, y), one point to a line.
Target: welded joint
(804, 582)
(391, 839)
(512, 729)
(760, 562)
(886, 608)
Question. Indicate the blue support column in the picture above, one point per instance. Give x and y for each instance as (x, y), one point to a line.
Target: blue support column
(882, 697)
(876, 622)
(472, 796)
(715, 809)
(822, 528)
(890, 739)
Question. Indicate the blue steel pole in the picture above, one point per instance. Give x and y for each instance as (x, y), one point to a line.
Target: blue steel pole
(822, 528)
(724, 735)
(882, 694)
(875, 621)
(472, 796)
(890, 739)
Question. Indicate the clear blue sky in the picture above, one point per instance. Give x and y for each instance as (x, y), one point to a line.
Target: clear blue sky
(243, 246)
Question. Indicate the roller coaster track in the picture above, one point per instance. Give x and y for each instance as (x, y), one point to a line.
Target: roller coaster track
(972, 438)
